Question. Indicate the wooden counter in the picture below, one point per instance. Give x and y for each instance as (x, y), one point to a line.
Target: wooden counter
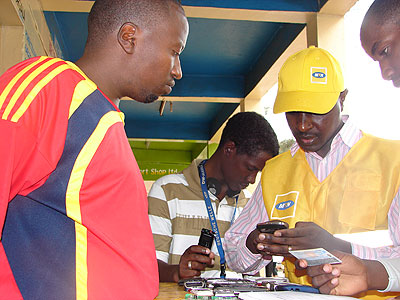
(171, 291)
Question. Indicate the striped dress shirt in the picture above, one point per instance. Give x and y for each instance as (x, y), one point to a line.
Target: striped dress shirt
(239, 257)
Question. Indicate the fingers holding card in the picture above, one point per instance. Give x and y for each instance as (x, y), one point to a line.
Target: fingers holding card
(314, 257)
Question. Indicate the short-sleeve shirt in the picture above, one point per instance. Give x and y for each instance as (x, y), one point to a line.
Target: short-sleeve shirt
(178, 212)
(73, 204)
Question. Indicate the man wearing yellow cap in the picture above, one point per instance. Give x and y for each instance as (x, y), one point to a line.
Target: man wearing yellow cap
(379, 36)
(335, 179)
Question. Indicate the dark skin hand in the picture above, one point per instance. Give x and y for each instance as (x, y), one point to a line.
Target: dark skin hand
(200, 258)
(255, 243)
(305, 235)
(352, 276)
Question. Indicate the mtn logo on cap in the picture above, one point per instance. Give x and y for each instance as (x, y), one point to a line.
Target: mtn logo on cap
(319, 75)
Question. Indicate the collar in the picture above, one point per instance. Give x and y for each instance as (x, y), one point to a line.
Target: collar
(192, 177)
(191, 174)
(349, 134)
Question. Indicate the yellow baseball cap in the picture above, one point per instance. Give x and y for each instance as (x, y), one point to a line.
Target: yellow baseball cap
(309, 81)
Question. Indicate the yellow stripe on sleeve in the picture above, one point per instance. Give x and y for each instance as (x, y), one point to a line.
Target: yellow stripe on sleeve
(36, 89)
(11, 84)
(72, 198)
(25, 83)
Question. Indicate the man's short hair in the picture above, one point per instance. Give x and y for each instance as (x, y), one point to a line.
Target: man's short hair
(251, 134)
(384, 11)
(107, 16)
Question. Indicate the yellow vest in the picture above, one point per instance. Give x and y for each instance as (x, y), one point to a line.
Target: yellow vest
(354, 197)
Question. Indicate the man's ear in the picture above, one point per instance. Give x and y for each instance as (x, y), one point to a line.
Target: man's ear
(342, 97)
(229, 148)
(126, 37)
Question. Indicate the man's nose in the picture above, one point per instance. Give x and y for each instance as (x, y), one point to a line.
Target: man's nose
(177, 70)
(304, 122)
(252, 178)
(386, 70)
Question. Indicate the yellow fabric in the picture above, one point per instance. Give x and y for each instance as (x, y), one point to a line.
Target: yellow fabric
(25, 83)
(12, 83)
(354, 197)
(305, 78)
(35, 91)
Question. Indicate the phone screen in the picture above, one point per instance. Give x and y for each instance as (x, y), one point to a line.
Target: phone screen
(271, 226)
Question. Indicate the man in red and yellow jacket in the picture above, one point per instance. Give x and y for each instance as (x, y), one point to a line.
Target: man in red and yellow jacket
(73, 206)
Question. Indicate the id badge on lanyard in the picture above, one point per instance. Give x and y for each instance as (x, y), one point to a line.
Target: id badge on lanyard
(211, 216)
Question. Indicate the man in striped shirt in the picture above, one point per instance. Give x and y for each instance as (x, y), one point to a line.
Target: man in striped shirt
(177, 207)
(327, 183)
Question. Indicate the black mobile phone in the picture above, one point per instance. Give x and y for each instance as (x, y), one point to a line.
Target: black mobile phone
(296, 287)
(206, 238)
(271, 226)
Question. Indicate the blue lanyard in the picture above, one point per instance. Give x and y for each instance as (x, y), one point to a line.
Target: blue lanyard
(211, 216)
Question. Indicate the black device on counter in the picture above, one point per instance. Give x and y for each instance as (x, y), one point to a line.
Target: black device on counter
(271, 226)
(296, 287)
(206, 238)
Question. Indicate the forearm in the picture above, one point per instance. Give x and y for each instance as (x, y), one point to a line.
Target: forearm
(342, 245)
(387, 252)
(161, 225)
(167, 272)
(239, 257)
(377, 276)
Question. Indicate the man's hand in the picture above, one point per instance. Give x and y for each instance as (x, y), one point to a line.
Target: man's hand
(194, 260)
(305, 235)
(257, 243)
(352, 276)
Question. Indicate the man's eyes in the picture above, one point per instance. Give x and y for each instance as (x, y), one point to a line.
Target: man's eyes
(385, 51)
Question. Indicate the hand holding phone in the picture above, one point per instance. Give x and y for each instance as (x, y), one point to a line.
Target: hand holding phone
(263, 246)
(271, 226)
(197, 258)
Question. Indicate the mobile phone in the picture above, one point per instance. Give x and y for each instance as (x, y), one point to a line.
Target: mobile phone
(195, 282)
(271, 226)
(296, 287)
(206, 238)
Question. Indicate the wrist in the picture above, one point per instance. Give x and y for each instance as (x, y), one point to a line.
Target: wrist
(377, 276)
(175, 273)
(167, 272)
(343, 246)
